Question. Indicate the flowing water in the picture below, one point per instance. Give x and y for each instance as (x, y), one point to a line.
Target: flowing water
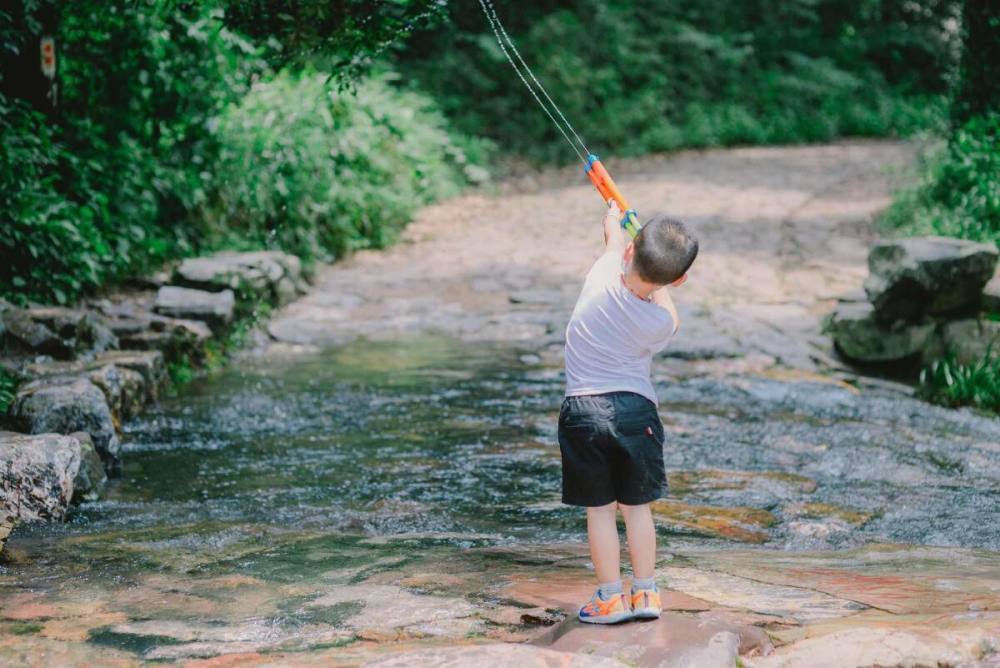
(361, 458)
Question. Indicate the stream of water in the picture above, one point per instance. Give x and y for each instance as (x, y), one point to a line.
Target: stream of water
(373, 453)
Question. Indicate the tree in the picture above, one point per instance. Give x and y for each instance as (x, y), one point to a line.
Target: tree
(978, 90)
(350, 32)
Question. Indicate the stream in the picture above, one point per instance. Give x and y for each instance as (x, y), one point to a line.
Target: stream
(285, 469)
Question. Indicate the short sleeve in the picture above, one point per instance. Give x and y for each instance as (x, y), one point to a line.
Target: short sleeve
(605, 271)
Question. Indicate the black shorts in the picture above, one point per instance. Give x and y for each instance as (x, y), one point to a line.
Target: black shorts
(612, 450)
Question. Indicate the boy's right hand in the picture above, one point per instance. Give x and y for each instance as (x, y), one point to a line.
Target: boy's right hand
(614, 235)
(614, 211)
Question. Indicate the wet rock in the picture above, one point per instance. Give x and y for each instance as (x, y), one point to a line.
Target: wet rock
(675, 641)
(827, 512)
(66, 406)
(736, 523)
(388, 612)
(967, 340)
(38, 475)
(149, 366)
(927, 275)
(499, 655)
(213, 308)
(886, 646)
(708, 481)
(91, 479)
(859, 335)
(789, 602)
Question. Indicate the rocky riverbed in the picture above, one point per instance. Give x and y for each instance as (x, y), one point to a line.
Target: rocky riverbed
(380, 485)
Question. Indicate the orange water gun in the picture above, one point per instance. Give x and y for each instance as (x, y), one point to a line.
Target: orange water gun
(606, 186)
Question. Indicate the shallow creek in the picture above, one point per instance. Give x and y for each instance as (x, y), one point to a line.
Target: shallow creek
(291, 479)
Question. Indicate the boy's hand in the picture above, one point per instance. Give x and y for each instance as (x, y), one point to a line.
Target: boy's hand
(614, 235)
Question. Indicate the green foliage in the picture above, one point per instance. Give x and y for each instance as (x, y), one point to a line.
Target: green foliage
(346, 35)
(98, 193)
(8, 386)
(638, 75)
(951, 384)
(959, 190)
(321, 172)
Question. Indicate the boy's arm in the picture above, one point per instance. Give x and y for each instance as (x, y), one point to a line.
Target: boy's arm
(662, 299)
(615, 237)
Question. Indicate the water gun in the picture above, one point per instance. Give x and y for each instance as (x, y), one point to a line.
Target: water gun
(605, 185)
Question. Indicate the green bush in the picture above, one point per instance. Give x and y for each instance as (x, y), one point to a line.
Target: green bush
(8, 386)
(951, 384)
(958, 194)
(319, 172)
(105, 190)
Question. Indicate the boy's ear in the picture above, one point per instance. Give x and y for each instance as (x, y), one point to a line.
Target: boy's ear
(680, 281)
(629, 252)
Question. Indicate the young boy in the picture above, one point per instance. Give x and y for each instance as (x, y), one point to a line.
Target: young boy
(610, 433)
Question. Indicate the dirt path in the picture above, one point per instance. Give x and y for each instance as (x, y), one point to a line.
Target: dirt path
(782, 231)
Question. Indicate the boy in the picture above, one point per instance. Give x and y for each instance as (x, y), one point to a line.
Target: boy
(610, 434)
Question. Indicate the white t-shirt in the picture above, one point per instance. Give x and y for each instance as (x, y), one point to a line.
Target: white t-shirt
(612, 335)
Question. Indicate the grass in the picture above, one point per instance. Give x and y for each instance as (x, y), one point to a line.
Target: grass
(8, 389)
(218, 351)
(949, 383)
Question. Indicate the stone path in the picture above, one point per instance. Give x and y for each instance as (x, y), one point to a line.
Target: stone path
(783, 232)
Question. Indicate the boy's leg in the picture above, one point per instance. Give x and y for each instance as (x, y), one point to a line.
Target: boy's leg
(641, 535)
(602, 533)
(645, 599)
(609, 604)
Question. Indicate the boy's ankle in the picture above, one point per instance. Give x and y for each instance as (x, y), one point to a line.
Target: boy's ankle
(644, 584)
(608, 589)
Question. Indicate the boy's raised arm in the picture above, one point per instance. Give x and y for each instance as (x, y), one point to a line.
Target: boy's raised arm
(615, 237)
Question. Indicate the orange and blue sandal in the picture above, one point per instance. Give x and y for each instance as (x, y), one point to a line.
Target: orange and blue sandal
(612, 610)
(646, 603)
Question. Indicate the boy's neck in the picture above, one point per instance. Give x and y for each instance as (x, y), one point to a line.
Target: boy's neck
(637, 286)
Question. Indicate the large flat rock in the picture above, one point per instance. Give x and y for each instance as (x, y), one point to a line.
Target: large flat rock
(498, 655)
(39, 473)
(215, 309)
(927, 275)
(64, 406)
(272, 275)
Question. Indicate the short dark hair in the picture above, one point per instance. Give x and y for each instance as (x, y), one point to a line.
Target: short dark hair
(664, 250)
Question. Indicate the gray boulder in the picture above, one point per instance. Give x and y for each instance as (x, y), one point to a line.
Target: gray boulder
(148, 364)
(37, 475)
(23, 334)
(927, 275)
(967, 340)
(859, 335)
(213, 308)
(60, 332)
(273, 275)
(67, 405)
(123, 388)
(91, 479)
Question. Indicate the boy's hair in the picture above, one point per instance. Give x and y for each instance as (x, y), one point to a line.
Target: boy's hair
(664, 250)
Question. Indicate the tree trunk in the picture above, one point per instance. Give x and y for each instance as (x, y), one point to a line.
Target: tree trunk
(31, 74)
(978, 89)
